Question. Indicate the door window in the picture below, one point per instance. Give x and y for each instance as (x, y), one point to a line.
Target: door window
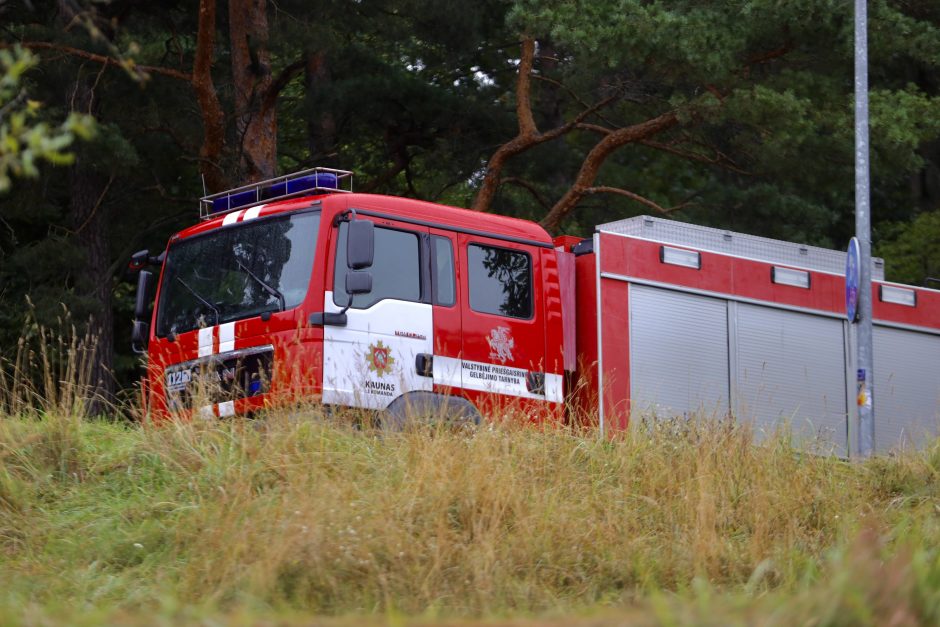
(442, 277)
(396, 268)
(500, 281)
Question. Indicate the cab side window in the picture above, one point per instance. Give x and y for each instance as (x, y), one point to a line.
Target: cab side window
(442, 271)
(396, 268)
(500, 281)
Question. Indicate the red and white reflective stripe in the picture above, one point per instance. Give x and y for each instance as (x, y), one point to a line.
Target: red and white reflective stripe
(218, 339)
(232, 218)
(206, 341)
(212, 341)
(242, 215)
(218, 410)
(226, 337)
(251, 214)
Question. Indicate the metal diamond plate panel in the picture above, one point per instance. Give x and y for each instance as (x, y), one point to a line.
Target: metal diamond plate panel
(737, 244)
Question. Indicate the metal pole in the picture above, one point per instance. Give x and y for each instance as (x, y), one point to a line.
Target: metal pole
(865, 378)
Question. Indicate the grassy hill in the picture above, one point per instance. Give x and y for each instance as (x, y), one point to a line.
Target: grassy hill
(300, 516)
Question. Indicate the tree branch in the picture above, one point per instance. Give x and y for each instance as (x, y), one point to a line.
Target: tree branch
(720, 159)
(528, 135)
(281, 81)
(14, 103)
(100, 58)
(766, 57)
(634, 196)
(399, 163)
(94, 209)
(596, 128)
(596, 158)
(172, 134)
(563, 87)
(139, 237)
(522, 141)
(528, 187)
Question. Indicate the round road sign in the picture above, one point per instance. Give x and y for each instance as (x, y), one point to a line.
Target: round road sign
(851, 279)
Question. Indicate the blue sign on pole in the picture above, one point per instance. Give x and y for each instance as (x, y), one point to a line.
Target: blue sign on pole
(851, 279)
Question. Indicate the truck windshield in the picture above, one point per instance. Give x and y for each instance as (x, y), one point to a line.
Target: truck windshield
(237, 272)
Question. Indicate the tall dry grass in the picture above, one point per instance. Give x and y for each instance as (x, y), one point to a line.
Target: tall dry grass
(303, 511)
(505, 519)
(50, 369)
(49, 377)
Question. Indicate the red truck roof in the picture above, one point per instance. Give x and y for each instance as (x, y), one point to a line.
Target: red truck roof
(430, 213)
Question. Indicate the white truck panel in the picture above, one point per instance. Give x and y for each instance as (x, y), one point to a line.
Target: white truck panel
(907, 387)
(678, 352)
(790, 369)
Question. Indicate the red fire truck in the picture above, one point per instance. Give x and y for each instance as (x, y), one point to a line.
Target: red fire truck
(297, 287)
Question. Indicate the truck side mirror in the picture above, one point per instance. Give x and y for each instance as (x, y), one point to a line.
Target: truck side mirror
(360, 244)
(143, 294)
(140, 334)
(358, 282)
(142, 258)
(139, 260)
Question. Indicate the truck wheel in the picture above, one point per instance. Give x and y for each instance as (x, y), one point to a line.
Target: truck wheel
(415, 409)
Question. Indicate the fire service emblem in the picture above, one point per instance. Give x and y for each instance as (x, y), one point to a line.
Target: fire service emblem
(380, 358)
(501, 344)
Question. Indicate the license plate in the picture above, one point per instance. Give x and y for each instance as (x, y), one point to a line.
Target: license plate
(176, 381)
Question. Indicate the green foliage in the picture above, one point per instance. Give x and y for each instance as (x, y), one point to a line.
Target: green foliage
(415, 96)
(913, 249)
(766, 94)
(900, 121)
(24, 138)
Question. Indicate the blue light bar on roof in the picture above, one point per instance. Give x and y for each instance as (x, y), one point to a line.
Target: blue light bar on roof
(320, 179)
(234, 201)
(273, 190)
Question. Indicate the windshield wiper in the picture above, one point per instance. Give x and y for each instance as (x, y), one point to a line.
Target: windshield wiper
(201, 299)
(273, 291)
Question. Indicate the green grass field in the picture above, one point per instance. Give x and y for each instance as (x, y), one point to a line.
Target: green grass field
(298, 517)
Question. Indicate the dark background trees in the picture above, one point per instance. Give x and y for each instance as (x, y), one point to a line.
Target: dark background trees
(732, 114)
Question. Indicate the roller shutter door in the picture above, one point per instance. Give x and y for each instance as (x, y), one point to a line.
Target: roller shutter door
(678, 352)
(907, 387)
(790, 366)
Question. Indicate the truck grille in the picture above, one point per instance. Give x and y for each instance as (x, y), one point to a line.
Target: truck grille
(219, 378)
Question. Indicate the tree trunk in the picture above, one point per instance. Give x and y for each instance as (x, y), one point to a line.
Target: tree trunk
(89, 222)
(210, 110)
(255, 112)
(551, 99)
(526, 138)
(551, 103)
(87, 189)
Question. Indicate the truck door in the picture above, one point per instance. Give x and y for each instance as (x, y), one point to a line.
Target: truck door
(503, 356)
(389, 331)
(448, 303)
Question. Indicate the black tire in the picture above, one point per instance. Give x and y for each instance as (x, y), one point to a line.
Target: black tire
(421, 409)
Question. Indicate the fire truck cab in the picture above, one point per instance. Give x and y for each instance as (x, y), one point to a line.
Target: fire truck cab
(298, 288)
